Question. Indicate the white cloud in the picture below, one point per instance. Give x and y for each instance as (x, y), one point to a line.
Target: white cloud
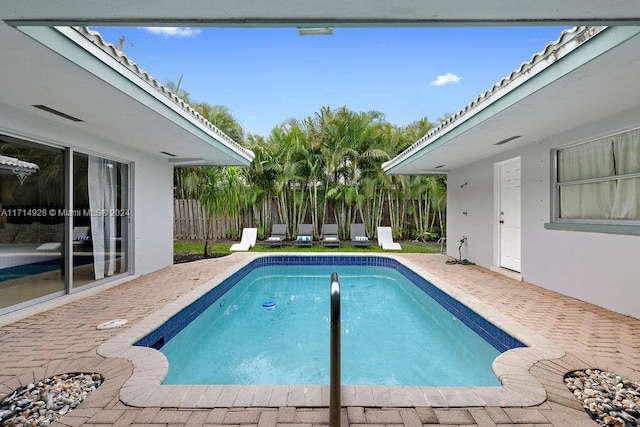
(445, 79)
(174, 31)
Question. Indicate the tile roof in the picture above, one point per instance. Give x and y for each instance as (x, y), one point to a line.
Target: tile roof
(123, 59)
(577, 35)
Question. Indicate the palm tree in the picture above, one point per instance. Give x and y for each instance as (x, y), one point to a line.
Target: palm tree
(221, 117)
(194, 182)
(324, 168)
(178, 91)
(263, 174)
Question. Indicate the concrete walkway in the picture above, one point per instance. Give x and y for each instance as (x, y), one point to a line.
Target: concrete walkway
(65, 339)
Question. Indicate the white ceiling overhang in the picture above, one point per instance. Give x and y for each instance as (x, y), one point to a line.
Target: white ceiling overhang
(588, 75)
(105, 95)
(116, 106)
(326, 12)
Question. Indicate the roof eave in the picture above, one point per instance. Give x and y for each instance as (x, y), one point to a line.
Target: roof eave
(107, 63)
(568, 41)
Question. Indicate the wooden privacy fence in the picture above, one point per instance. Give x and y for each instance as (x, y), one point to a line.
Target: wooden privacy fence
(190, 222)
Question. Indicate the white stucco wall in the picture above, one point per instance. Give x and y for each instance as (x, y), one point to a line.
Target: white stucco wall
(152, 192)
(476, 199)
(153, 215)
(603, 269)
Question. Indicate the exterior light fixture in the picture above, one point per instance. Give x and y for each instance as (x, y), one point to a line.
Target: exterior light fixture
(320, 31)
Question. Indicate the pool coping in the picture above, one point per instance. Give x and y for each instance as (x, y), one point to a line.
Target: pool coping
(145, 389)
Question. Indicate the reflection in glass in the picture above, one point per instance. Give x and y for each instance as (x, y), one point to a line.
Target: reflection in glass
(31, 229)
(33, 216)
(101, 219)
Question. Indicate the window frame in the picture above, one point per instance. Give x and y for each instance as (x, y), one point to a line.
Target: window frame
(621, 226)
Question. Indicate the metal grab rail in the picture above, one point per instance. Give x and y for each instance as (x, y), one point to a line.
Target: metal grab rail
(335, 381)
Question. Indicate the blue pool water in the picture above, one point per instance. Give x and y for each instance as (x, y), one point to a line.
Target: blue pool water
(270, 325)
(17, 271)
(24, 270)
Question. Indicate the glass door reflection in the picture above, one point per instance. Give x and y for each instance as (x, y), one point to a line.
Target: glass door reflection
(31, 221)
(100, 220)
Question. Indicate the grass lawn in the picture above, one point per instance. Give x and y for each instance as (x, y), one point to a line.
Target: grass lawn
(222, 247)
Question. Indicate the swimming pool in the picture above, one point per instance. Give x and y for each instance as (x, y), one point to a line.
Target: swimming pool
(22, 270)
(145, 388)
(397, 328)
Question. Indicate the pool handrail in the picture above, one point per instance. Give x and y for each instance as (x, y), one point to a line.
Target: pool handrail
(335, 380)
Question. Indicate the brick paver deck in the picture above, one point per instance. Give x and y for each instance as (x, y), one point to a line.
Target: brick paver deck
(65, 339)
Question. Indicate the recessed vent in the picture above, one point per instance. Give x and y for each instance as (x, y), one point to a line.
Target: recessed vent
(168, 154)
(504, 141)
(57, 113)
(182, 161)
(320, 31)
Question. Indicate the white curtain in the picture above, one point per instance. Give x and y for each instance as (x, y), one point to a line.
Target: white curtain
(586, 201)
(613, 199)
(102, 200)
(627, 195)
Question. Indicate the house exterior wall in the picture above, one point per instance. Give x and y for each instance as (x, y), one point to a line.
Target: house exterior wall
(153, 215)
(598, 268)
(151, 242)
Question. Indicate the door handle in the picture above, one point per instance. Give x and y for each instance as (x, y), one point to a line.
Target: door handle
(501, 221)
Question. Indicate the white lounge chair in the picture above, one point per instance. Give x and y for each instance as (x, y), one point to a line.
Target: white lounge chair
(385, 240)
(80, 235)
(248, 240)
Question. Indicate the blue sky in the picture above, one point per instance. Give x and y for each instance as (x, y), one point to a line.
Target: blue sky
(268, 75)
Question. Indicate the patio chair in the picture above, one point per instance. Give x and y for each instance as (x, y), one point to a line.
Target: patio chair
(278, 235)
(248, 240)
(385, 240)
(359, 236)
(81, 235)
(330, 235)
(305, 235)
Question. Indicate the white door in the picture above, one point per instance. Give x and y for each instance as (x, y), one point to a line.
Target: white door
(509, 214)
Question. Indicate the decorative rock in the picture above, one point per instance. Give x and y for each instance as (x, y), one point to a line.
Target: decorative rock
(633, 412)
(609, 399)
(41, 404)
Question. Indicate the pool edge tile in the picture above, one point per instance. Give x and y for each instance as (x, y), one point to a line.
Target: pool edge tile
(262, 396)
(296, 395)
(210, 396)
(279, 395)
(245, 396)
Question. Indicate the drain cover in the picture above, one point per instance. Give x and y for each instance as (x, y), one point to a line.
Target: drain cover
(116, 323)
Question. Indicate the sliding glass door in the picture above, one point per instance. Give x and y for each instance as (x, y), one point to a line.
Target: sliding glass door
(100, 228)
(41, 196)
(31, 230)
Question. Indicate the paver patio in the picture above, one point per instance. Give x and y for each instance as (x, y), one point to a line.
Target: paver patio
(65, 339)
